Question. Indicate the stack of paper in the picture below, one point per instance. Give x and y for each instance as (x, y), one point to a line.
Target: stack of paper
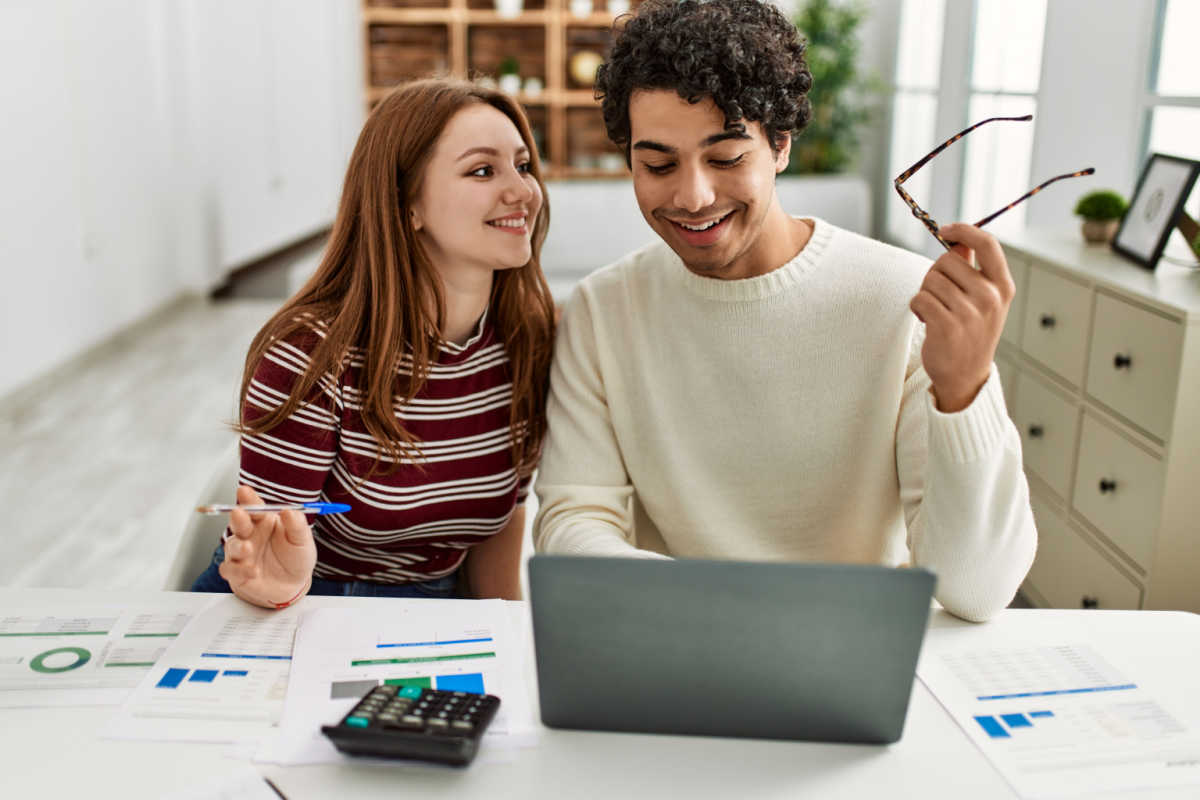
(455, 645)
(244, 675)
(1056, 717)
(223, 680)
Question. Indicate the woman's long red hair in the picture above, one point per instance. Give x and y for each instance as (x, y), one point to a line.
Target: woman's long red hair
(376, 289)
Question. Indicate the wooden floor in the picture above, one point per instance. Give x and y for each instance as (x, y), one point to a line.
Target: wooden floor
(103, 460)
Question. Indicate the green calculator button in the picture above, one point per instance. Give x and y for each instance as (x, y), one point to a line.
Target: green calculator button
(410, 691)
(357, 722)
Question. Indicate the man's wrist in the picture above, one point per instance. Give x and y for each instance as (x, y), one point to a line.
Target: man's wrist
(950, 400)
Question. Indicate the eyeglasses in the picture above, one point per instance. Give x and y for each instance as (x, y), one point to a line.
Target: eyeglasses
(929, 222)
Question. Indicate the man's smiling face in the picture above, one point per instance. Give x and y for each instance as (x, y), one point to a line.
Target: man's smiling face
(708, 191)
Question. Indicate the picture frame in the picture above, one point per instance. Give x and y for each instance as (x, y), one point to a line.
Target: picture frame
(1162, 188)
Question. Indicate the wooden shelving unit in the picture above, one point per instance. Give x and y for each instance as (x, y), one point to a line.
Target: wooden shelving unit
(408, 39)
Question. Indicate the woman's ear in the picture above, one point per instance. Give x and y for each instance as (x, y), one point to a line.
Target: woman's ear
(415, 218)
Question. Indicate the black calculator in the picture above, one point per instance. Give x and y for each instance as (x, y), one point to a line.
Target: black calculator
(415, 722)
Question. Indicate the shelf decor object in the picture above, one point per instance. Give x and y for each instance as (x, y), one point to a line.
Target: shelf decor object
(1101, 211)
(1161, 191)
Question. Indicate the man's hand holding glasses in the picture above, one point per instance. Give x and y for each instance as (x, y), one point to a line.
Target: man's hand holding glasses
(963, 304)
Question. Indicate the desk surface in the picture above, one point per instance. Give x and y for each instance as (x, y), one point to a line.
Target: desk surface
(57, 753)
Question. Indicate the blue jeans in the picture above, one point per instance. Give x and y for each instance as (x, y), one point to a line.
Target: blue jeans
(211, 581)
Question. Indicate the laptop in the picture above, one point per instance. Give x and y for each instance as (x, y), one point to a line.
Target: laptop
(821, 652)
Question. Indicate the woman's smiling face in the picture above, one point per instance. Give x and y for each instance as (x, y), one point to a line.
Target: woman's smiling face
(478, 199)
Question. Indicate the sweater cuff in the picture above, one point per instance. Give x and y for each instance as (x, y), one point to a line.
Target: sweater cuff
(972, 433)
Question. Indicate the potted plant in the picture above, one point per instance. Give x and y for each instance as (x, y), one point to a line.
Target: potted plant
(1101, 211)
(510, 75)
(843, 100)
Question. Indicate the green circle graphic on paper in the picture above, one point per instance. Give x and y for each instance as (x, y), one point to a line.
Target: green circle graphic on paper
(38, 663)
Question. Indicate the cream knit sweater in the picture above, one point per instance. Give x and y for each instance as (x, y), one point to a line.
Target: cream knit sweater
(781, 417)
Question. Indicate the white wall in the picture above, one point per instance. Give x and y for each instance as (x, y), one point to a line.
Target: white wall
(147, 148)
(1090, 107)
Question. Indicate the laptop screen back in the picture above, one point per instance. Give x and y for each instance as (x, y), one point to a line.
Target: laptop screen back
(823, 652)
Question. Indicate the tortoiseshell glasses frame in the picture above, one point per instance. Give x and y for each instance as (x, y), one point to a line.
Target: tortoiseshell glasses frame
(929, 222)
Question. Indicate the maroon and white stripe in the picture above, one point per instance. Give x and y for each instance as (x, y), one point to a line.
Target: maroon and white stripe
(417, 522)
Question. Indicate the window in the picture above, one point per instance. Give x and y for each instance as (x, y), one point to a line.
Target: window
(918, 65)
(1006, 65)
(1173, 104)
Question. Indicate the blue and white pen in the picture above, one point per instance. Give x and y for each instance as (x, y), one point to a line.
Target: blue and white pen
(311, 508)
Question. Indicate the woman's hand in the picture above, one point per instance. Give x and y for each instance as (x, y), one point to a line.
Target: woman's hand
(269, 559)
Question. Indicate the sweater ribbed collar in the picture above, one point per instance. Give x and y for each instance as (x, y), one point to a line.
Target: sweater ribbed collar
(760, 286)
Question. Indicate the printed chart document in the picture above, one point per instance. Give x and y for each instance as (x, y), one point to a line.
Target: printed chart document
(222, 680)
(1056, 717)
(454, 645)
(86, 654)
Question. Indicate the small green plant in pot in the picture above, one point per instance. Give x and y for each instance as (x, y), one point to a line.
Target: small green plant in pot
(510, 75)
(1101, 212)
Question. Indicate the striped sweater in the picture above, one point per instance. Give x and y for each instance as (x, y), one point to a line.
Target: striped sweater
(417, 522)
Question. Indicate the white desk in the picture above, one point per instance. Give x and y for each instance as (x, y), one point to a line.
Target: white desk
(56, 753)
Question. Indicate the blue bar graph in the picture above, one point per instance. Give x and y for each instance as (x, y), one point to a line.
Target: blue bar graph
(1085, 690)
(993, 728)
(172, 679)
(471, 682)
(1016, 720)
(447, 641)
(245, 655)
(177, 675)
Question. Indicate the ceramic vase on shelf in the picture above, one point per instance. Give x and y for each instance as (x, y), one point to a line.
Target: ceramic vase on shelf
(509, 8)
(1100, 231)
(533, 86)
(510, 83)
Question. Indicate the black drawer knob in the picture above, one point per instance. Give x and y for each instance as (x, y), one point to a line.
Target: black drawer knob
(1122, 361)
(1087, 601)
(1036, 431)
(1107, 486)
(1048, 320)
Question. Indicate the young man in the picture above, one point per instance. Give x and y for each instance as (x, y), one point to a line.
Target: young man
(764, 387)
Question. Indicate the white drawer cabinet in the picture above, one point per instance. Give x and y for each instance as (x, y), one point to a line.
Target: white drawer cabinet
(1134, 353)
(1071, 573)
(1047, 421)
(1055, 328)
(1100, 361)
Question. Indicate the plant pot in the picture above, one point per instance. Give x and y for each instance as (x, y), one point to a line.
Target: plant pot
(510, 83)
(509, 9)
(1100, 231)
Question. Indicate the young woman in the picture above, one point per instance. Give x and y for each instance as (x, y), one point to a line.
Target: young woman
(408, 377)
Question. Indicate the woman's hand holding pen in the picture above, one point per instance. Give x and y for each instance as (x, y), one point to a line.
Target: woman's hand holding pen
(269, 557)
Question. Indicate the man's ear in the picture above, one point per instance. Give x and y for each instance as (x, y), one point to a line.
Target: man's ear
(784, 152)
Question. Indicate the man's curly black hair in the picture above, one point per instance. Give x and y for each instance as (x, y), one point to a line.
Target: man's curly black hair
(744, 54)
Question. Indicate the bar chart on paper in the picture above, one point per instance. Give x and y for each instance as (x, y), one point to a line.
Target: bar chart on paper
(450, 660)
(340, 654)
(223, 680)
(1058, 719)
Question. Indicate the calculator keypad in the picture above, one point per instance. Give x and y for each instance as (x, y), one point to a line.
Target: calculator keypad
(412, 708)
